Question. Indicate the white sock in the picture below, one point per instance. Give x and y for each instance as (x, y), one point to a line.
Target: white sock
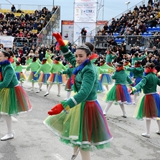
(85, 155)
(8, 122)
(148, 124)
(123, 109)
(107, 107)
(158, 122)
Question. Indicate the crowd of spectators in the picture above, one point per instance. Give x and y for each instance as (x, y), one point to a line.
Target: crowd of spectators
(25, 25)
(133, 24)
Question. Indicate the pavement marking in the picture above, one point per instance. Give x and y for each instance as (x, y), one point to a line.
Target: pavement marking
(58, 157)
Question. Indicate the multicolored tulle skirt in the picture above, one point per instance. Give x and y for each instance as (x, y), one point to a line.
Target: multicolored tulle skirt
(119, 93)
(43, 78)
(84, 126)
(149, 107)
(33, 78)
(20, 76)
(14, 101)
(106, 79)
(68, 86)
(137, 80)
(100, 87)
(55, 78)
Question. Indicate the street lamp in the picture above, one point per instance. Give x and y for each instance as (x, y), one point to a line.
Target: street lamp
(127, 3)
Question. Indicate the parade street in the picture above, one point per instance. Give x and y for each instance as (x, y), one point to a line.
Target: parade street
(34, 141)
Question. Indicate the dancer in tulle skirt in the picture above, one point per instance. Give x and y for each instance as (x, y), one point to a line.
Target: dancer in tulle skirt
(137, 71)
(13, 99)
(79, 121)
(44, 72)
(149, 107)
(19, 72)
(106, 78)
(33, 66)
(55, 77)
(119, 91)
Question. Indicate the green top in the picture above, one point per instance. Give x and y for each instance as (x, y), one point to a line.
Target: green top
(138, 71)
(45, 68)
(48, 56)
(109, 68)
(86, 81)
(38, 60)
(34, 66)
(28, 61)
(121, 77)
(57, 68)
(9, 77)
(19, 68)
(68, 71)
(134, 59)
(149, 83)
(100, 71)
(110, 57)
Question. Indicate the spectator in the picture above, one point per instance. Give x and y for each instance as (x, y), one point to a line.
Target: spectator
(42, 52)
(13, 8)
(83, 35)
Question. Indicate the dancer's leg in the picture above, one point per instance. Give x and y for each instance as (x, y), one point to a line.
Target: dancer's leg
(107, 108)
(123, 110)
(148, 124)
(59, 89)
(9, 135)
(85, 155)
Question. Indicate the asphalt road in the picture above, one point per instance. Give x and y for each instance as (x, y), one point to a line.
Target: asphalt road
(33, 140)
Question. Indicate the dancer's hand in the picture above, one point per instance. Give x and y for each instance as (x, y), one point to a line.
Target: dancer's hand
(56, 109)
(58, 38)
(133, 89)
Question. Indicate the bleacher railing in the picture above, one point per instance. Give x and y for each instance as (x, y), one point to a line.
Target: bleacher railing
(119, 15)
(144, 41)
(45, 36)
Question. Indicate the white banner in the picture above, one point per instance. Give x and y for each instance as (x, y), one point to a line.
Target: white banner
(86, 1)
(90, 27)
(7, 41)
(67, 30)
(85, 12)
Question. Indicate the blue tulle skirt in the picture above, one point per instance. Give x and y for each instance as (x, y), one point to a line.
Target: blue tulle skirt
(106, 79)
(119, 93)
(100, 87)
(33, 78)
(55, 78)
(137, 80)
(149, 107)
(43, 78)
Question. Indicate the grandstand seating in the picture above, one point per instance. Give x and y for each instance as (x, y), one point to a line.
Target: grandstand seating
(119, 40)
(153, 29)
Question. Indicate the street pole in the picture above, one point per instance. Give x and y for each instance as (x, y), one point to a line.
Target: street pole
(53, 3)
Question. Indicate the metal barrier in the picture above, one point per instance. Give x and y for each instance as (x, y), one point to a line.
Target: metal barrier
(20, 41)
(45, 36)
(102, 42)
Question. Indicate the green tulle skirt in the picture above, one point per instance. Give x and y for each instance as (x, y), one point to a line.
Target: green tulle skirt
(84, 126)
(14, 101)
